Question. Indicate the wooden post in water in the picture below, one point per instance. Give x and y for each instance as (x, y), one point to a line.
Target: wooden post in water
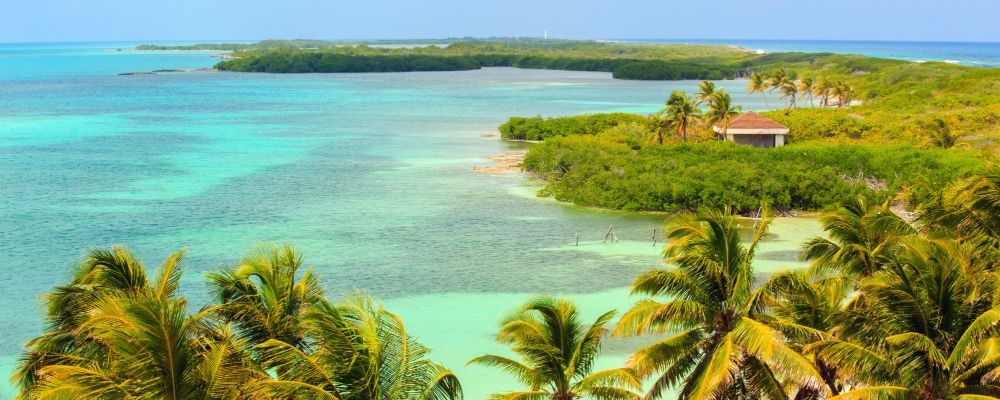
(607, 235)
(577, 239)
(654, 237)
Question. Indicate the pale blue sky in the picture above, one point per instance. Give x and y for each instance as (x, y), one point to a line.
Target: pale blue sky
(119, 20)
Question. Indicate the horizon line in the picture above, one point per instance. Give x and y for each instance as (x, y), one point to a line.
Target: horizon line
(458, 38)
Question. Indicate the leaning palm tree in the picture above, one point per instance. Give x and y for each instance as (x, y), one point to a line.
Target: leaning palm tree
(862, 238)
(789, 90)
(823, 88)
(357, 351)
(758, 85)
(806, 87)
(706, 89)
(930, 328)
(265, 296)
(557, 353)
(776, 78)
(681, 110)
(721, 111)
(720, 345)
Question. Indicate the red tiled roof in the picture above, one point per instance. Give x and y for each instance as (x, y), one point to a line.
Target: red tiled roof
(752, 120)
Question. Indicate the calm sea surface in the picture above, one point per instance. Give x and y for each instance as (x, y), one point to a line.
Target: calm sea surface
(965, 53)
(368, 174)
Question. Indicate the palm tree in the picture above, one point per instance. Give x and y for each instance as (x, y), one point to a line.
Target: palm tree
(863, 238)
(264, 296)
(101, 273)
(823, 88)
(357, 351)
(806, 87)
(136, 340)
(758, 85)
(940, 134)
(969, 208)
(789, 90)
(844, 93)
(808, 308)
(777, 77)
(557, 352)
(720, 347)
(659, 124)
(929, 330)
(681, 110)
(721, 111)
(706, 90)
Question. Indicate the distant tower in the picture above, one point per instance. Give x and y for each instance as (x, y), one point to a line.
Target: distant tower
(546, 35)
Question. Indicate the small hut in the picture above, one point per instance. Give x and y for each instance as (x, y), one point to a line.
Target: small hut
(755, 130)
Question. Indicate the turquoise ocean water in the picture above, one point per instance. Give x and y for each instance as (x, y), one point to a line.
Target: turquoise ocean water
(368, 174)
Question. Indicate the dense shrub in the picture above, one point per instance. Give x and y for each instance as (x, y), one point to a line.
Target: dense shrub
(538, 128)
(606, 171)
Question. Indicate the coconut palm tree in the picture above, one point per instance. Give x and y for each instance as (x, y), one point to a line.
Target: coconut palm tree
(823, 88)
(758, 85)
(776, 78)
(660, 125)
(863, 238)
(136, 340)
(357, 351)
(806, 87)
(969, 208)
(789, 90)
(101, 273)
(557, 352)
(706, 89)
(808, 308)
(844, 94)
(720, 347)
(681, 111)
(721, 111)
(264, 296)
(930, 330)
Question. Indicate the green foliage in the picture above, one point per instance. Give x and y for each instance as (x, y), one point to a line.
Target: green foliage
(114, 333)
(605, 171)
(302, 61)
(558, 352)
(626, 61)
(538, 128)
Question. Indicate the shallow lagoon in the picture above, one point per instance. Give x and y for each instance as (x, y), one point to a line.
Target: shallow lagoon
(369, 174)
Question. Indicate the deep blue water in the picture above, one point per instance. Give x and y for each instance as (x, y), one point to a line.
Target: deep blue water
(965, 53)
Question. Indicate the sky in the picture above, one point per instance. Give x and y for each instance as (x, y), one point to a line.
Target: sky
(191, 20)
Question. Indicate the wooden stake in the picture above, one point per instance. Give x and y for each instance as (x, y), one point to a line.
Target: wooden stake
(607, 235)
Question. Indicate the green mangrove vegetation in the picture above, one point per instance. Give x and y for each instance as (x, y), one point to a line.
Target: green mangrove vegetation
(888, 308)
(618, 169)
(625, 61)
(856, 126)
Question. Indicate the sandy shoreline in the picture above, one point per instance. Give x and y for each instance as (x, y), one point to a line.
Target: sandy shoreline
(503, 163)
